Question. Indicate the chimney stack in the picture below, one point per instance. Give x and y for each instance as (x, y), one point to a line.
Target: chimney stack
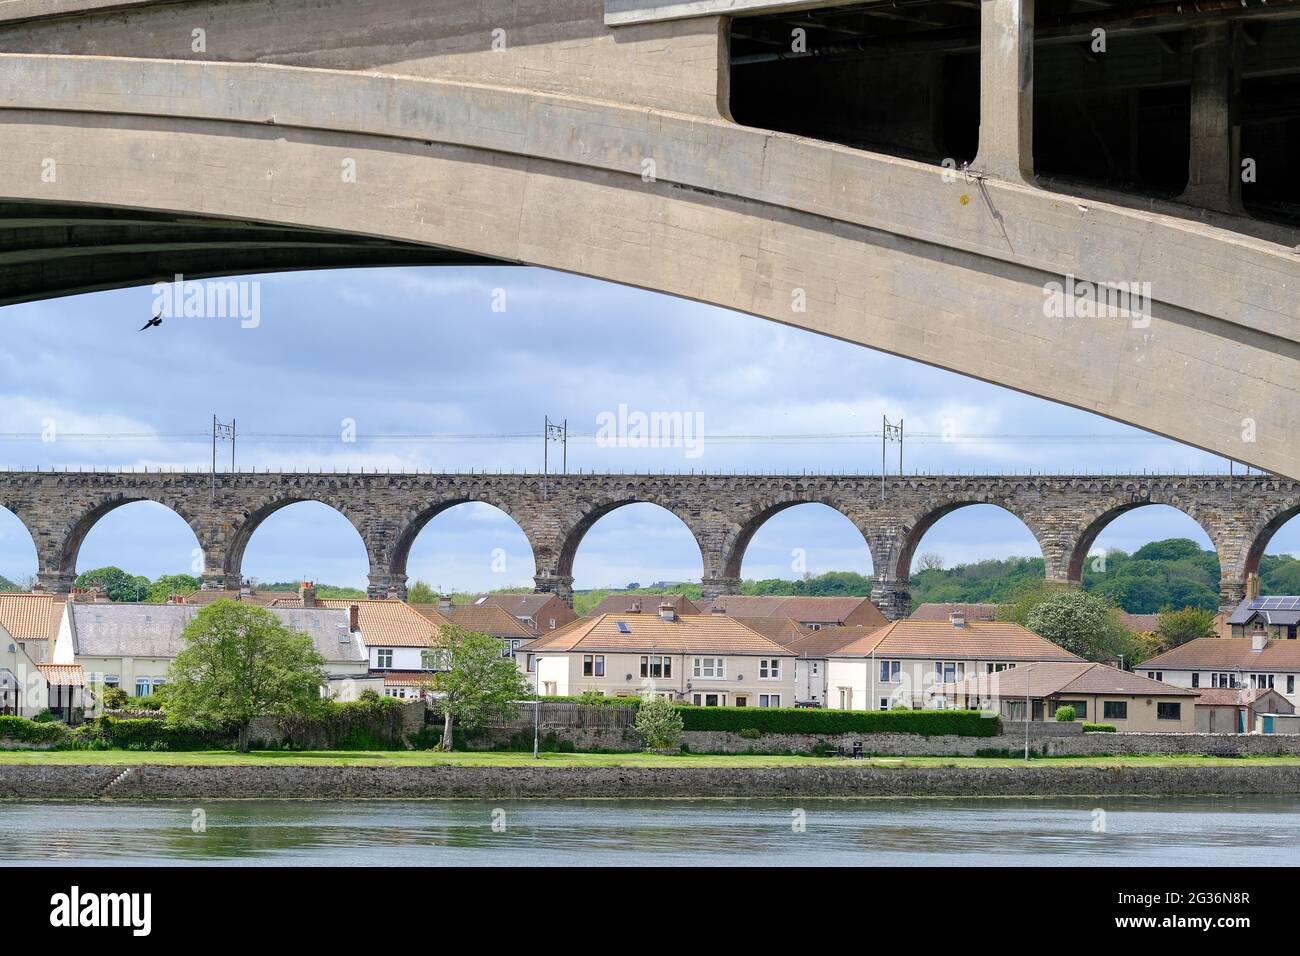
(634, 607)
(666, 612)
(957, 618)
(717, 610)
(354, 618)
(444, 603)
(307, 591)
(1259, 641)
(1252, 586)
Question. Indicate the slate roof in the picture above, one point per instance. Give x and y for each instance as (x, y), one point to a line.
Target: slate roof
(154, 630)
(483, 618)
(648, 633)
(978, 640)
(1228, 653)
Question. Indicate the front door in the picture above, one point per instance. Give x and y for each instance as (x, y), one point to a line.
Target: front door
(742, 700)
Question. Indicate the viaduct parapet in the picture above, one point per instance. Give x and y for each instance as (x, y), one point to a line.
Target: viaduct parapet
(1064, 513)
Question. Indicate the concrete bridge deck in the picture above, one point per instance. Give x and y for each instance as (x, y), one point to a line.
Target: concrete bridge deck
(541, 132)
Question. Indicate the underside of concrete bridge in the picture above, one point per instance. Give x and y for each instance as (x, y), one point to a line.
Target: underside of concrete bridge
(967, 183)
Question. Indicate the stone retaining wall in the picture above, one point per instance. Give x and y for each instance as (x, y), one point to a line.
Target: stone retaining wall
(505, 783)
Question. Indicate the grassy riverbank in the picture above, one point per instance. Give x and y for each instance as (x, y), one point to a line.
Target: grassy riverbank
(425, 758)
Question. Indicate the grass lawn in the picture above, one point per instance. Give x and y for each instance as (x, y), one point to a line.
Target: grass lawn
(422, 758)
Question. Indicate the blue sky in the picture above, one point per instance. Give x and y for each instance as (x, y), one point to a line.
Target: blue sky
(423, 351)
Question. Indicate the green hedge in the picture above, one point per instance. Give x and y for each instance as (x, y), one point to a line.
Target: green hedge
(794, 720)
(1098, 728)
(32, 732)
(149, 733)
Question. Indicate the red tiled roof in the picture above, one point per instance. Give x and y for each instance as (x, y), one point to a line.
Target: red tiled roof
(63, 675)
(980, 640)
(30, 616)
(384, 623)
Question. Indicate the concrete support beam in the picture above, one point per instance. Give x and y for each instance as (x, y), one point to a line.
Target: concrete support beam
(1006, 144)
(1214, 171)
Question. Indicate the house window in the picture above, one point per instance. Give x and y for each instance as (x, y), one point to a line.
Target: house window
(769, 700)
(998, 668)
(884, 703)
(384, 657)
(1114, 709)
(1169, 711)
(158, 682)
(588, 665)
(710, 667)
(1196, 678)
(552, 624)
(1223, 680)
(1080, 708)
(949, 672)
(1290, 683)
(655, 666)
(709, 700)
(1156, 675)
(1261, 681)
(142, 687)
(890, 672)
(112, 680)
(769, 669)
(814, 668)
(429, 660)
(530, 663)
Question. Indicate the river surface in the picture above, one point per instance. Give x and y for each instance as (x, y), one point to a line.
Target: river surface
(1128, 831)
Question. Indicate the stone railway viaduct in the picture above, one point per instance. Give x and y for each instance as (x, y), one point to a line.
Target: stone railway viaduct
(143, 138)
(1065, 514)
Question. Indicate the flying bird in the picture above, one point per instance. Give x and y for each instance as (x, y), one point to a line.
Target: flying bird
(156, 320)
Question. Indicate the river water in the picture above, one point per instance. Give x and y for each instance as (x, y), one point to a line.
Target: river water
(1193, 831)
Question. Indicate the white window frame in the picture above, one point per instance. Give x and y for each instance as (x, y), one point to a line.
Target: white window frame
(769, 668)
(958, 671)
(714, 669)
(382, 653)
(891, 671)
(769, 700)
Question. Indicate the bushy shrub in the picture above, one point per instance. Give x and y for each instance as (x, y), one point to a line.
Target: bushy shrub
(150, 733)
(659, 723)
(114, 698)
(1065, 713)
(1098, 728)
(33, 732)
(751, 733)
(792, 720)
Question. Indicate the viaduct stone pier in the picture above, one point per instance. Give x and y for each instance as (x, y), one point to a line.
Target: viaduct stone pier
(1064, 513)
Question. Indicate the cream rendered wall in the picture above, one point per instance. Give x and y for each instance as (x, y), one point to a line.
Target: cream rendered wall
(34, 692)
(623, 677)
(1183, 678)
(916, 677)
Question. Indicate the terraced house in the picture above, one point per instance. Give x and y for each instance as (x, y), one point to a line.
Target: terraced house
(1250, 663)
(706, 659)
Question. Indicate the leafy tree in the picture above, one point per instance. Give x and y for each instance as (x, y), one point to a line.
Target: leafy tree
(116, 583)
(930, 562)
(1179, 627)
(1279, 574)
(658, 722)
(240, 663)
(165, 585)
(1080, 622)
(478, 683)
(7, 585)
(421, 593)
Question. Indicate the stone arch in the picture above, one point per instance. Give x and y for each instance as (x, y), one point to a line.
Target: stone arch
(1263, 534)
(63, 571)
(6, 505)
(739, 535)
(914, 527)
(251, 518)
(571, 536)
(417, 519)
(1087, 531)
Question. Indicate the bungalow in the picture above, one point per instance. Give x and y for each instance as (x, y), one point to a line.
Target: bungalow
(1097, 692)
(132, 646)
(539, 612)
(1233, 710)
(811, 612)
(1249, 662)
(902, 664)
(705, 659)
